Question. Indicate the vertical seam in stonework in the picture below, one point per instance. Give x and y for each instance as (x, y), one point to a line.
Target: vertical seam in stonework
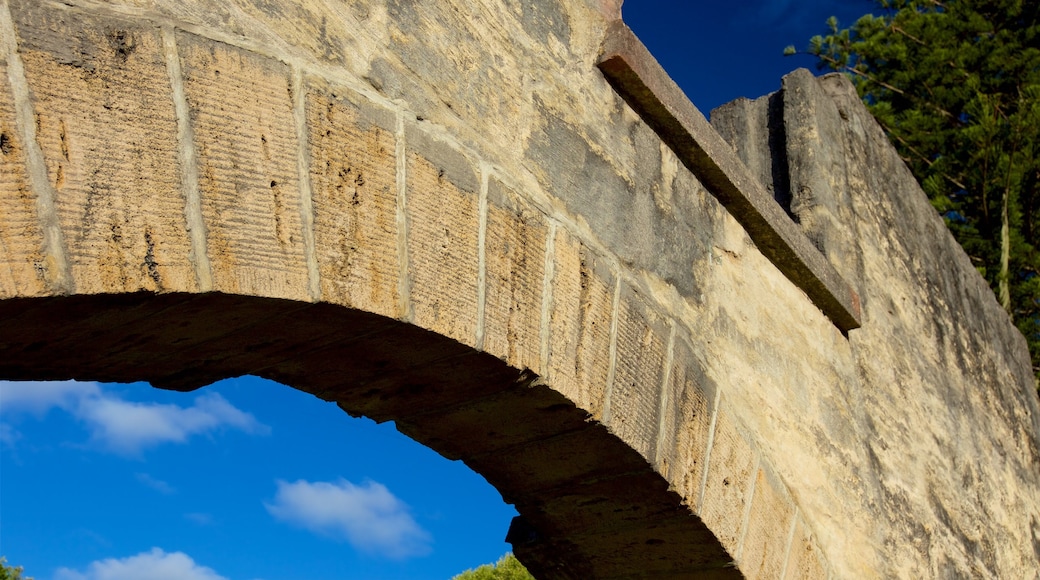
(545, 330)
(790, 543)
(404, 286)
(60, 277)
(612, 356)
(196, 224)
(664, 399)
(708, 447)
(306, 192)
(745, 520)
(482, 212)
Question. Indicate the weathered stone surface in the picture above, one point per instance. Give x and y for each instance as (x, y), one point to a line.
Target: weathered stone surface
(354, 183)
(515, 278)
(21, 238)
(727, 489)
(920, 357)
(580, 319)
(241, 113)
(443, 232)
(685, 423)
(763, 552)
(659, 101)
(645, 216)
(106, 126)
(640, 358)
(324, 164)
(804, 560)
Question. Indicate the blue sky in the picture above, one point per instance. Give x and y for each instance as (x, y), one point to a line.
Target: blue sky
(248, 479)
(719, 51)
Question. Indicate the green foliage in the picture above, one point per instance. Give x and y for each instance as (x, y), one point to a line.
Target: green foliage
(956, 86)
(507, 568)
(11, 572)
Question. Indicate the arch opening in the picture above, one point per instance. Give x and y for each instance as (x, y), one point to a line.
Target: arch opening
(590, 505)
(246, 477)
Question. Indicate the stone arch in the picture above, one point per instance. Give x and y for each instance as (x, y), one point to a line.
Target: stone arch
(516, 245)
(181, 205)
(591, 506)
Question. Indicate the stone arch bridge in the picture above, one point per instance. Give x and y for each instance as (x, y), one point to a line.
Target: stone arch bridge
(680, 350)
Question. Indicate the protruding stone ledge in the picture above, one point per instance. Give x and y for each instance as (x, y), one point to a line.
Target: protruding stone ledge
(640, 80)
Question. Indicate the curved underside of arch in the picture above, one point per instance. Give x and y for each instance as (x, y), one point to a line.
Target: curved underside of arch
(590, 505)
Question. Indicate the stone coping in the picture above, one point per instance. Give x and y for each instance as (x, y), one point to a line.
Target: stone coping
(637, 76)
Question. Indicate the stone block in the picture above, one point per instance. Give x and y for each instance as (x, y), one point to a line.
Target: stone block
(107, 128)
(354, 190)
(683, 448)
(765, 541)
(443, 224)
(755, 128)
(21, 239)
(247, 147)
(515, 278)
(642, 344)
(805, 560)
(727, 489)
(582, 309)
(817, 175)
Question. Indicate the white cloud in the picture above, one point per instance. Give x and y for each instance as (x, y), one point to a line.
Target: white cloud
(153, 565)
(156, 484)
(128, 427)
(122, 426)
(368, 516)
(38, 397)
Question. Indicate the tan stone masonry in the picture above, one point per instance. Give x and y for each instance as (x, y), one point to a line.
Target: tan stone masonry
(442, 214)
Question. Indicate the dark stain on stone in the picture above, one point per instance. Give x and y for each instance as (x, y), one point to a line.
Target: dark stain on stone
(151, 266)
(540, 20)
(5, 144)
(63, 136)
(123, 43)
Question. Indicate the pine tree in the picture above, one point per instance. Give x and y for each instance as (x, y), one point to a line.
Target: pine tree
(956, 86)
